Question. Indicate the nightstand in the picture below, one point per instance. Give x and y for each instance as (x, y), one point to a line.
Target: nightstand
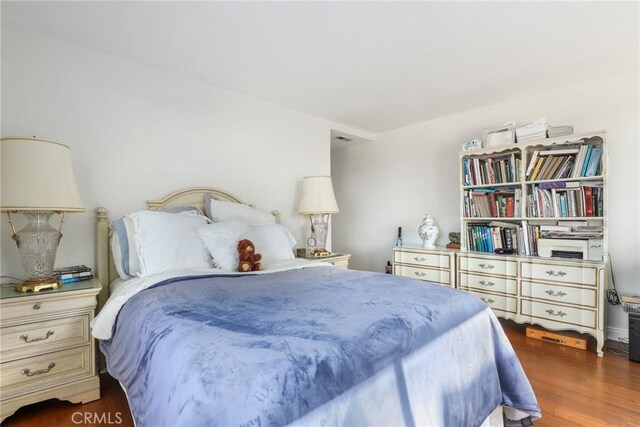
(431, 265)
(46, 347)
(339, 260)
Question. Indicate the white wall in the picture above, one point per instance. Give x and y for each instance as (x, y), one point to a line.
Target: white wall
(138, 133)
(413, 170)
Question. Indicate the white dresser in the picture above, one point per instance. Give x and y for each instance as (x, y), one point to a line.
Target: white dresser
(46, 348)
(339, 260)
(431, 265)
(552, 293)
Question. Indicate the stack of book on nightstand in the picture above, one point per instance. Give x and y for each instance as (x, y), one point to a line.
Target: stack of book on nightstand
(76, 273)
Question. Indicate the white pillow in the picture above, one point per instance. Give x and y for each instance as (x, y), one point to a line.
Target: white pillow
(166, 241)
(221, 239)
(222, 211)
(272, 241)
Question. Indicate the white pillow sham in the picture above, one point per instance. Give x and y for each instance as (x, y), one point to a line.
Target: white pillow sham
(221, 210)
(167, 241)
(221, 239)
(273, 241)
(123, 248)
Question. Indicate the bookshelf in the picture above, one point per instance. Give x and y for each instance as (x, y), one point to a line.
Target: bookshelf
(543, 188)
(543, 205)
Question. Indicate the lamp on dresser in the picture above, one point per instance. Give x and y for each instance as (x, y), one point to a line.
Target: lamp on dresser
(37, 181)
(319, 202)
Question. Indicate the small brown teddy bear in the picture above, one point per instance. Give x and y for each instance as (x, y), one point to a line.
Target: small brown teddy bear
(248, 259)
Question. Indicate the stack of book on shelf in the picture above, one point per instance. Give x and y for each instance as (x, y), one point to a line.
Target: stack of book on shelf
(555, 131)
(76, 273)
(501, 202)
(575, 162)
(534, 130)
(565, 199)
(492, 170)
(503, 237)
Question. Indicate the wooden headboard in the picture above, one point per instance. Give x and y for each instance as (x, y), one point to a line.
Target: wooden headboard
(105, 269)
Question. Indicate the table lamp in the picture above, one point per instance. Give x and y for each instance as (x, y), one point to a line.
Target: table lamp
(37, 181)
(319, 202)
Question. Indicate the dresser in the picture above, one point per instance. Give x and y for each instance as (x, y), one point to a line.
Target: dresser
(553, 293)
(46, 347)
(339, 260)
(431, 265)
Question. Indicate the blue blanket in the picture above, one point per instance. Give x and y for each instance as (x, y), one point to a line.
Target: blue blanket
(275, 348)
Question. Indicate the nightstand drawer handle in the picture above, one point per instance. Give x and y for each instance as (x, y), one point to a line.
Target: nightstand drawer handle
(25, 338)
(559, 313)
(419, 273)
(488, 266)
(553, 273)
(28, 372)
(487, 301)
(419, 259)
(36, 306)
(555, 294)
(483, 283)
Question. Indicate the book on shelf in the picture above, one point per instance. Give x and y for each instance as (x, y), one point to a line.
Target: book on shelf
(501, 169)
(521, 238)
(500, 202)
(583, 161)
(564, 199)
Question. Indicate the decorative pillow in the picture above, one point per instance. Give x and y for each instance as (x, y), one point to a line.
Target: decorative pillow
(167, 241)
(219, 210)
(221, 239)
(273, 241)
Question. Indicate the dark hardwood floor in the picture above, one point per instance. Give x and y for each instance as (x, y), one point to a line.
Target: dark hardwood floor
(574, 388)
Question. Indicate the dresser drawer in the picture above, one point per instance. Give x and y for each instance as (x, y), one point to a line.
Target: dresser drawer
(561, 273)
(585, 297)
(426, 274)
(423, 259)
(498, 302)
(32, 338)
(491, 266)
(490, 284)
(27, 307)
(558, 313)
(45, 370)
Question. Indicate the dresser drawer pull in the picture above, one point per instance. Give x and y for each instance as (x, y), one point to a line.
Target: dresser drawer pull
(36, 306)
(556, 274)
(558, 314)
(487, 266)
(28, 372)
(483, 283)
(419, 259)
(555, 294)
(25, 338)
(419, 273)
(487, 301)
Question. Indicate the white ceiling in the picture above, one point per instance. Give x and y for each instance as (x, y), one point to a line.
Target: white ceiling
(373, 66)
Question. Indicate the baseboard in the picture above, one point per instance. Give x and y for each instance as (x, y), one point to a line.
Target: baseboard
(615, 333)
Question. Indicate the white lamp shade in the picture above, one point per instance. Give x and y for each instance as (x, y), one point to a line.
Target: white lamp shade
(317, 196)
(37, 175)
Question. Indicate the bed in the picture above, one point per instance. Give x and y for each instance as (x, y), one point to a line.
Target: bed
(302, 343)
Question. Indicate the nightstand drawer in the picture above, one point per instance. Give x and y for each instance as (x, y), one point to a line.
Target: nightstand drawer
(28, 307)
(562, 294)
(426, 274)
(32, 338)
(45, 370)
(422, 259)
(562, 273)
(490, 266)
(489, 284)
